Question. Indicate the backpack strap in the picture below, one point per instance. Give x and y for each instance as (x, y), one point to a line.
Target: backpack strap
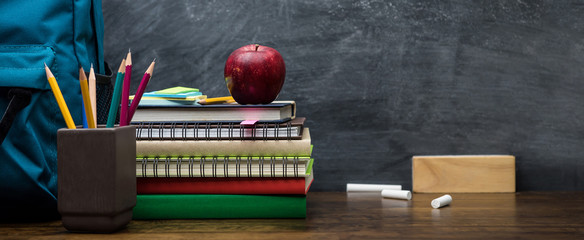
(104, 91)
(20, 98)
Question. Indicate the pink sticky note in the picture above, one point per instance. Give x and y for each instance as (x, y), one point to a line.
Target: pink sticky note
(248, 123)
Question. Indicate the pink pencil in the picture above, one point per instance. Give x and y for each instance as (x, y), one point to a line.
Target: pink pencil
(140, 91)
(126, 91)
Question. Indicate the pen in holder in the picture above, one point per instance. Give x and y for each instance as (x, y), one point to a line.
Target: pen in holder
(96, 177)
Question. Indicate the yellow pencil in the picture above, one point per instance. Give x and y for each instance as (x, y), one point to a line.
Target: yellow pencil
(217, 100)
(59, 98)
(86, 99)
(92, 94)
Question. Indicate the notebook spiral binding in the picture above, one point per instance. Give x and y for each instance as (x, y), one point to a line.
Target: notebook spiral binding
(243, 166)
(169, 131)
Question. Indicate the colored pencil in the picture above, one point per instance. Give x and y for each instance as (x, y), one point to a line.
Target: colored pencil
(59, 97)
(84, 117)
(140, 91)
(126, 91)
(217, 100)
(115, 104)
(92, 94)
(86, 99)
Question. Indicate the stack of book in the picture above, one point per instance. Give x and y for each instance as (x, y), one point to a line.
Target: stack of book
(210, 161)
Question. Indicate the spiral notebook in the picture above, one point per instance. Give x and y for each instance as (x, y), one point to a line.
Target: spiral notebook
(223, 167)
(290, 130)
(291, 148)
(224, 185)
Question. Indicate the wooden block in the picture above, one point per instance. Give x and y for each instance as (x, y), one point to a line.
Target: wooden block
(463, 173)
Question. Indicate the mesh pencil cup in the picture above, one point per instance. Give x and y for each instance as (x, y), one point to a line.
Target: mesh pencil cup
(96, 178)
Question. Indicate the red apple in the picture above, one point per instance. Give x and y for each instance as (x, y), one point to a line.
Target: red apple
(255, 74)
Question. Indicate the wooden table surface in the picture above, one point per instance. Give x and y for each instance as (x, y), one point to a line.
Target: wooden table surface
(525, 215)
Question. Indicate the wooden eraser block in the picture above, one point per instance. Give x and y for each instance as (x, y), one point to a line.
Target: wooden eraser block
(463, 174)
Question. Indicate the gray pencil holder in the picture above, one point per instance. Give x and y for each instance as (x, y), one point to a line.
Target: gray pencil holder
(96, 178)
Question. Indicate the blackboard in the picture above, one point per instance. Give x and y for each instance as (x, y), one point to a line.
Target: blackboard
(381, 81)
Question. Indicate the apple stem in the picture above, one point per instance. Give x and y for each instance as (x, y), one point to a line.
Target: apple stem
(257, 46)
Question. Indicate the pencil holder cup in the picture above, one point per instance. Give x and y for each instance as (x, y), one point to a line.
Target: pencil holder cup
(96, 178)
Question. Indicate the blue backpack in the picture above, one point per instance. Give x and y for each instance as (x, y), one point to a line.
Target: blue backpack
(65, 35)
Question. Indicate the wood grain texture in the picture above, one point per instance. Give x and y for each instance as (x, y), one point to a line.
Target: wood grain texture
(524, 215)
(463, 173)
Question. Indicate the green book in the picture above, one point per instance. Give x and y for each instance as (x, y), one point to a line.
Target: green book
(189, 206)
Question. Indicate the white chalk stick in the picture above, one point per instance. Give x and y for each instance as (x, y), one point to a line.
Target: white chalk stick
(399, 194)
(441, 201)
(354, 187)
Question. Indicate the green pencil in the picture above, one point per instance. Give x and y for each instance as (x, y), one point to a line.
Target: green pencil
(113, 111)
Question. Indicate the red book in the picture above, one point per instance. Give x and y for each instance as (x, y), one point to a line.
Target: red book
(224, 185)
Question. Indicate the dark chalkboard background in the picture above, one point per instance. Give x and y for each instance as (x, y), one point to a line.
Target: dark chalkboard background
(380, 81)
